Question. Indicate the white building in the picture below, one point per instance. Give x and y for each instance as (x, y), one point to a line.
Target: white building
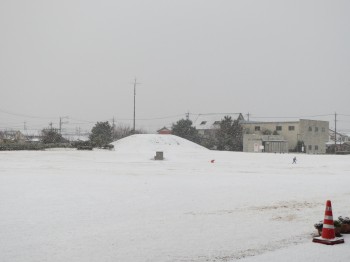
(312, 135)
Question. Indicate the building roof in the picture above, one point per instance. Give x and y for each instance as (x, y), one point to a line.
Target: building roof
(212, 121)
(164, 129)
(76, 137)
(268, 122)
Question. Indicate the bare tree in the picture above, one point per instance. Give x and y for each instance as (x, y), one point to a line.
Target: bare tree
(121, 130)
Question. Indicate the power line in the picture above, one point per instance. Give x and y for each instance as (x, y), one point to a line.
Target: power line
(166, 117)
(206, 114)
(290, 116)
(82, 120)
(158, 118)
(23, 115)
(16, 124)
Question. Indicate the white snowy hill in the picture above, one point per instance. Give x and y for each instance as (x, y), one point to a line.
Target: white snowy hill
(150, 143)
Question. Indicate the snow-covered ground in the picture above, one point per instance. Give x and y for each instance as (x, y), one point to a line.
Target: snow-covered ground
(123, 206)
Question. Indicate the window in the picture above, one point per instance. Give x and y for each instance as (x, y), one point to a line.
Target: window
(316, 148)
(291, 128)
(278, 128)
(217, 123)
(310, 147)
(257, 128)
(203, 122)
(316, 129)
(310, 128)
(323, 129)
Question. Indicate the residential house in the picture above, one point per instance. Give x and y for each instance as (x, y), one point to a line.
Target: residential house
(164, 131)
(11, 135)
(340, 137)
(207, 124)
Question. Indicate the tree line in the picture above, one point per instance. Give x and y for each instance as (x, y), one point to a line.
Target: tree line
(228, 136)
(101, 135)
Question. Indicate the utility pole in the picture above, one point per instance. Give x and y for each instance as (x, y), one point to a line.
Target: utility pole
(248, 116)
(78, 130)
(113, 127)
(335, 132)
(61, 123)
(135, 83)
(50, 124)
(25, 127)
(188, 116)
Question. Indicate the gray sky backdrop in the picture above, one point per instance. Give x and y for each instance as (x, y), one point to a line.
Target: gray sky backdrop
(79, 59)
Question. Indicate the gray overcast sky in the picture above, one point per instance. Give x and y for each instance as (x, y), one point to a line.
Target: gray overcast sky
(79, 58)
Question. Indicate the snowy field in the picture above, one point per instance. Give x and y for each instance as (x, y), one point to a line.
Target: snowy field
(121, 205)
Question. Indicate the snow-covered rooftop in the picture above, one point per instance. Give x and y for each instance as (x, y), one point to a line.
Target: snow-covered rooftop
(76, 137)
(211, 121)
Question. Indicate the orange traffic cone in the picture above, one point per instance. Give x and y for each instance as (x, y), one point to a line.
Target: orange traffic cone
(328, 232)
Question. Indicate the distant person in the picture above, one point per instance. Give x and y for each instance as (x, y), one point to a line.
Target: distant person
(294, 160)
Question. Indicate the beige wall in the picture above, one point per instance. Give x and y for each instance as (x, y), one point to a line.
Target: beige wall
(314, 140)
(249, 142)
(271, 143)
(314, 134)
(290, 135)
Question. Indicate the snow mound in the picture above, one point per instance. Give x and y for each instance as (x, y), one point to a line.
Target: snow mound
(154, 142)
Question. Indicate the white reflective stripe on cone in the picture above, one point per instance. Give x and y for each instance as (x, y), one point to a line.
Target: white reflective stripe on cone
(328, 208)
(328, 226)
(328, 217)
